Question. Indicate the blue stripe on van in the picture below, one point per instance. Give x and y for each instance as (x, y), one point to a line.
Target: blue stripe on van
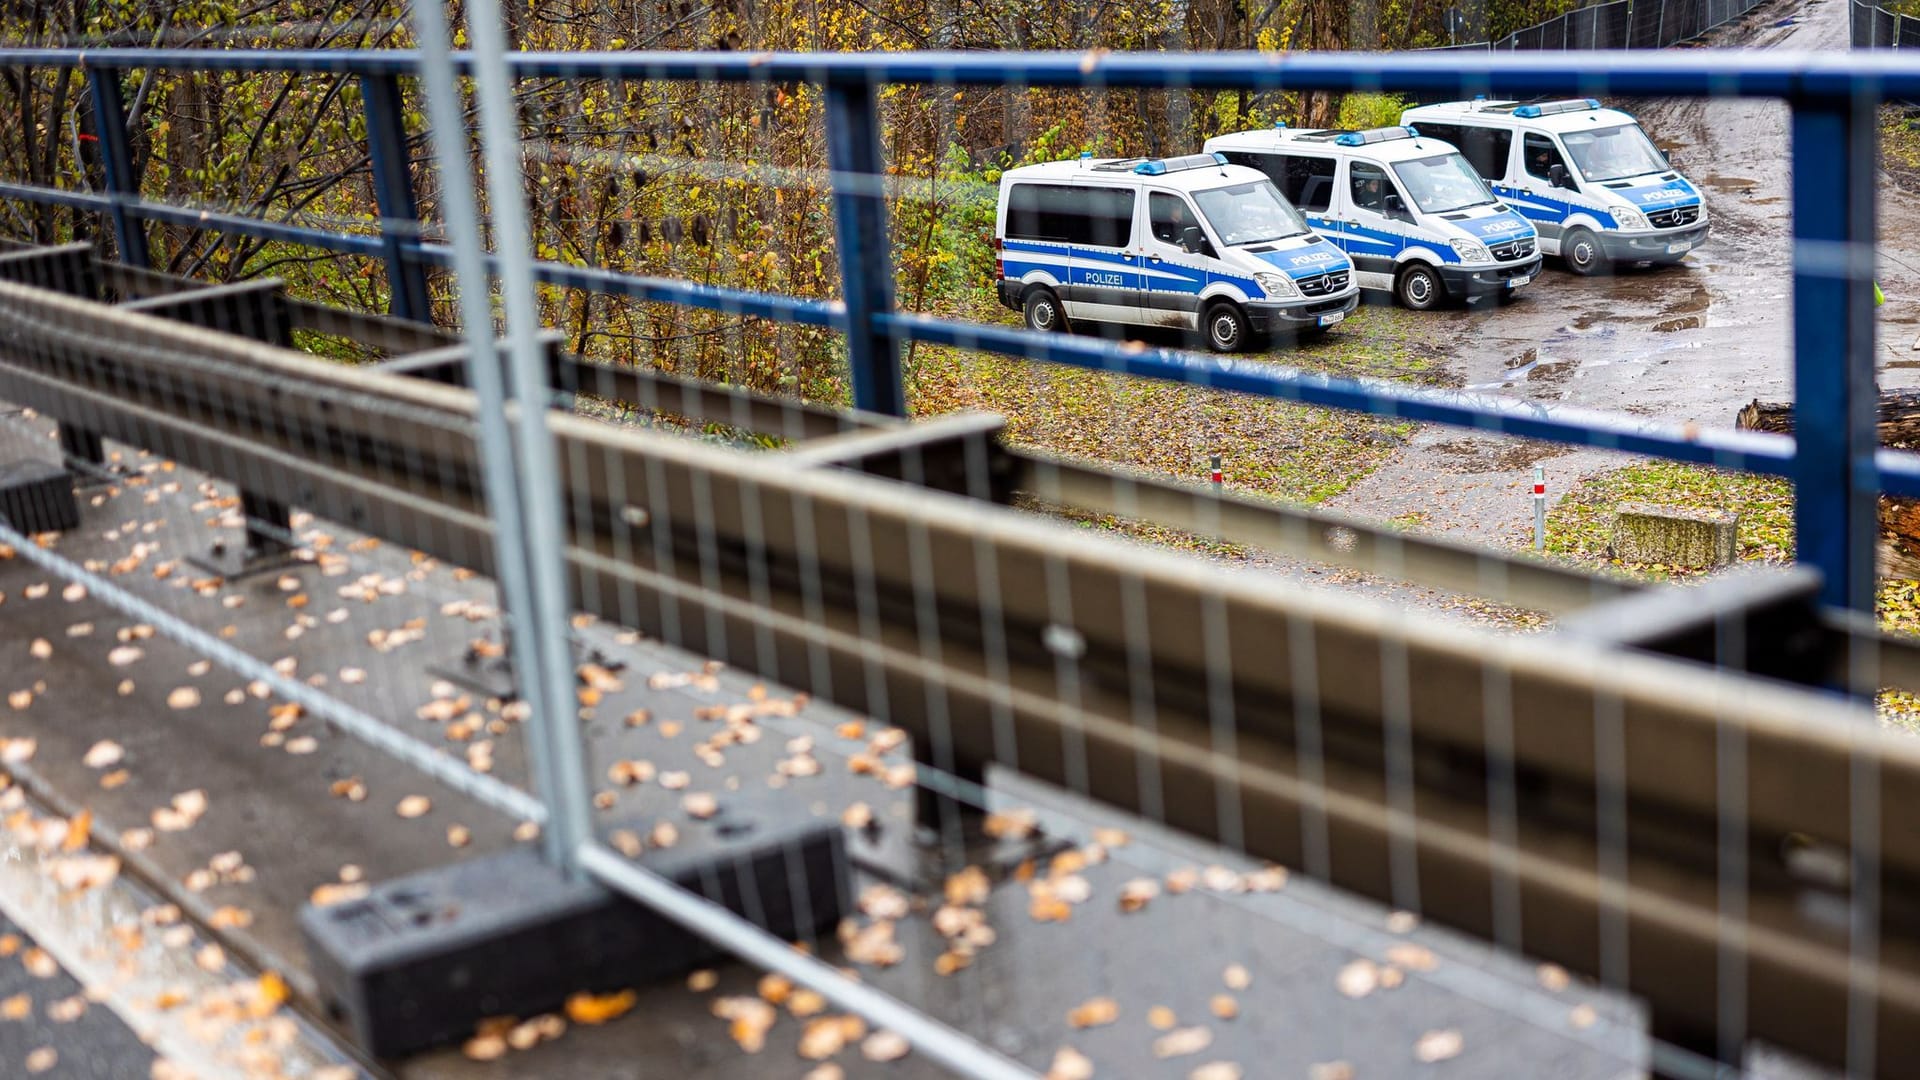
(1310, 260)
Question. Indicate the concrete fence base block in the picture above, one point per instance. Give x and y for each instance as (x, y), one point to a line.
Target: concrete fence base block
(1699, 539)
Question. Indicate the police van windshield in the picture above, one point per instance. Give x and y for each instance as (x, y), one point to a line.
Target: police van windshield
(1439, 184)
(1613, 153)
(1250, 213)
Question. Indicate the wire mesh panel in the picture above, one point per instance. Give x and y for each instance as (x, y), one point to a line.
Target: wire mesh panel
(1076, 727)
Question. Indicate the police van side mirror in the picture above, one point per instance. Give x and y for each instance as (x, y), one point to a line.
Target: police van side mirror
(1559, 177)
(1193, 240)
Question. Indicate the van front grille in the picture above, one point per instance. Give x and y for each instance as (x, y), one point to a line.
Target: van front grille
(1513, 249)
(1323, 284)
(1674, 218)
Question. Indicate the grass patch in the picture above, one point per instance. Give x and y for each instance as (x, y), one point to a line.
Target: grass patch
(1581, 525)
(1274, 448)
(1900, 146)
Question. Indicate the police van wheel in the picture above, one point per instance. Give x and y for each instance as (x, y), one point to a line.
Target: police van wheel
(1418, 287)
(1226, 328)
(1043, 311)
(1581, 250)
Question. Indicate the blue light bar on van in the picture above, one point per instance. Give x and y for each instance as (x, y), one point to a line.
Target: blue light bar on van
(1374, 135)
(1554, 108)
(1162, 166)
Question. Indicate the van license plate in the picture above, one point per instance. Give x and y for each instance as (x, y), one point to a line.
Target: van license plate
(1333, 317)
(1675, 249)
(1514, 283)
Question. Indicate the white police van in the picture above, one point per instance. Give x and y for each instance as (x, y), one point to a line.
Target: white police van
(1590, 180)
(1414, 217)
(1188, 242)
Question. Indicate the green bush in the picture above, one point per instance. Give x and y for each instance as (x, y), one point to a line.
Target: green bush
(1361, 111)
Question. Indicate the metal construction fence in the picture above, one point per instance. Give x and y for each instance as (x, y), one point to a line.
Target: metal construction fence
(1645, 796)
(1875, 27)
(1621, 24)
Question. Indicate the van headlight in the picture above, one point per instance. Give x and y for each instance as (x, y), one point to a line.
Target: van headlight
(1277, 285)
(1629, 218)
(1472, 251)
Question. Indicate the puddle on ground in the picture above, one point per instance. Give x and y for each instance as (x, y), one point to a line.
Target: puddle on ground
(1696, 301)
(1529, 365)
(1727, 183)
(1587, 320)
(1689, 322)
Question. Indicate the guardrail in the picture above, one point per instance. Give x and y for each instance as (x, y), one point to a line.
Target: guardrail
(811, 570)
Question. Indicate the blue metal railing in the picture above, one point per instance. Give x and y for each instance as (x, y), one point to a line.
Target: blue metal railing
(1834, 461)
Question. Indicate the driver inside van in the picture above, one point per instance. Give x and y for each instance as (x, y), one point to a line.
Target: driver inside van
(1367, 194)
(1170, 220)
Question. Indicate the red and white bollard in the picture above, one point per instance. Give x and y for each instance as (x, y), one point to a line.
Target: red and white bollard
(1539, 508)
(1216, 474)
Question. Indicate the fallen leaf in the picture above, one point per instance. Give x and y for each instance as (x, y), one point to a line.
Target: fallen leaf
(1413, 957)
(1237, 977)
(700, 804)
(79, 828)
(39, 964)
(1359, 978)
(1553, 977)
(1438, 1045)
(41, 648)
(41, 1060)
(1135, 894)
(338, 893)
(183, 697)
(584, 1008)
(1216, 1070)
(485, 1047)
(1161, 1018)
(1094, 1013)
(102, 754)
(1582, 1016)
(884, 1046)
(1188, 1040)
(1224, 1006)
(413, 806)
(17, 1007)
(703, 980)
(1070, 1064)
(270, 991)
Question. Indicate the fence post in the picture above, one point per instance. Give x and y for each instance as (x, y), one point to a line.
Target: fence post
(1836, 402)
(866, 257)
(393, 196)
(116, 160)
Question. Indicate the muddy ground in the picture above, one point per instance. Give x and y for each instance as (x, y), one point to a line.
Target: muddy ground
(1687, 344)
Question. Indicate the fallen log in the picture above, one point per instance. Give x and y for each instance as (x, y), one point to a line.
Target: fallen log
(1899, 417)
(1900, 429)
